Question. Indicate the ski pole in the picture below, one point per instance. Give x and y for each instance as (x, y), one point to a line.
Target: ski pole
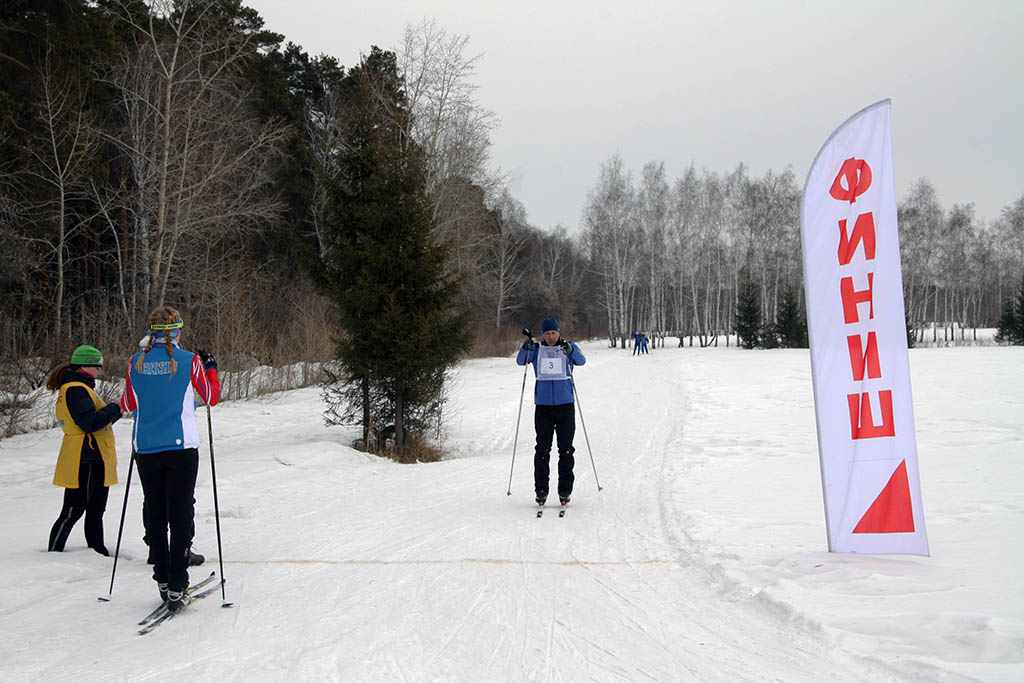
(120, 528)
(582, 422)
(216, 510)
(515, 441)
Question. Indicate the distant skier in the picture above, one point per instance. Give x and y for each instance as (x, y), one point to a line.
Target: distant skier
(554, 415)
(636, 343)
(87, 462)
(160, 386)
(643, 342)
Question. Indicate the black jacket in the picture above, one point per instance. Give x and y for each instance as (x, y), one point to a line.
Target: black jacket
(83, 412)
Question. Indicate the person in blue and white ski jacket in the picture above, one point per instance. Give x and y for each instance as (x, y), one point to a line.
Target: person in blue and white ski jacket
(555, 413)
(161, 388)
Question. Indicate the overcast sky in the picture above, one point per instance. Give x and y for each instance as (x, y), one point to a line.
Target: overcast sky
(715, 83)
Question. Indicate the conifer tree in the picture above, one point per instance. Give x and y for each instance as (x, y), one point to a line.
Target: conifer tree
(1019, 327)
(383, 269)
(790, 326)
(911, 332)
(748, 312)
(1011, 323)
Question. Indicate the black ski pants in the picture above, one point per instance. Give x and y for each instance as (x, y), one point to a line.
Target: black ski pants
(90, 499)
(169, 484)
(549, 421)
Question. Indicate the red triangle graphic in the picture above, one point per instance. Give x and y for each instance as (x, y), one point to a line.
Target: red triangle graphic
(891, 512)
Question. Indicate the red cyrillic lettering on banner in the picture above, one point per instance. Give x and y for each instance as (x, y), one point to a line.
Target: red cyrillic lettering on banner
(892, 512)
(862, 425)
(858, 179)
(863, 231)
(851, 298)
(861, 357)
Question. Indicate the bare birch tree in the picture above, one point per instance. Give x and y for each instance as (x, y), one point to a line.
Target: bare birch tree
(611, 233)
(58, 153)
(652, 216)
(448, 122)
(504, 265)
(920, 217)
(200, 157)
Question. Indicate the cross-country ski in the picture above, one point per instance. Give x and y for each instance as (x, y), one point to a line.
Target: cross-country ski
(163, 614)
(192, 591)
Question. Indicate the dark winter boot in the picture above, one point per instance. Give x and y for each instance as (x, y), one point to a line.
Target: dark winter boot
(195, 559)
(177, 600)
(542, 497)
(564, 500)
(162, 587)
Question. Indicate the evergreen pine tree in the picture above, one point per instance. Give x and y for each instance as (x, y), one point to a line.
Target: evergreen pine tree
(911, 333)
(1007, 323)
(789, 324)
(384, 269)
(1018, 328)
(1010, 329)
(748, 312)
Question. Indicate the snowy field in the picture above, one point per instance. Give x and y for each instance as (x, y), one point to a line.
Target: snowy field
(703, 559)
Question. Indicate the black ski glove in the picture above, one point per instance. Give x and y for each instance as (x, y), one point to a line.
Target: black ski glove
(565, 346)
(207, 358)
(529, 345)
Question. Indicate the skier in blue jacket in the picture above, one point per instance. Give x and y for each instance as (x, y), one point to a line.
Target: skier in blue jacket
(555, 414)
(160, 387)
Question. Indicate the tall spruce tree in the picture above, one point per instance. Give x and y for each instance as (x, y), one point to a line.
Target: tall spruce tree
(1019, 327)
(790, 326)
(748, 312)
(1010, 329)
(383, 267)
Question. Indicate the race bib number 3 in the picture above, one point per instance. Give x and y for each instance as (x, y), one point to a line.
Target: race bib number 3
(551, 363)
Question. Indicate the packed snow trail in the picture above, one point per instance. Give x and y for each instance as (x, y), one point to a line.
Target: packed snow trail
(344, 566)
(430, 570)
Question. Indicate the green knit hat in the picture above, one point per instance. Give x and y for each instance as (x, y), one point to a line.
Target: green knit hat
(87, 356)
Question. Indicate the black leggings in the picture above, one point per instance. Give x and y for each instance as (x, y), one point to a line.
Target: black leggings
(550, 421)
(90, 499)
(169, 483)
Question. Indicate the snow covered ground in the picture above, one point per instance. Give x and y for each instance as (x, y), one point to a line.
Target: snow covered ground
(703, 559)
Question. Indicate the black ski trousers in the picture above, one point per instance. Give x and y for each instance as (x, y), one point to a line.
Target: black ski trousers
(169, 484)
(551, 421)
(90, 499)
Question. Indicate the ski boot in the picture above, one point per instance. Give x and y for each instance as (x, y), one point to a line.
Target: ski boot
(177, 600)
(564, 500)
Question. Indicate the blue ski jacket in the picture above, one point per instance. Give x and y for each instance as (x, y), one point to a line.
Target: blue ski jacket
(554, 392)
(164, 401)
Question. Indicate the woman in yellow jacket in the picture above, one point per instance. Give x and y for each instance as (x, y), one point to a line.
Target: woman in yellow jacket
(87, 463)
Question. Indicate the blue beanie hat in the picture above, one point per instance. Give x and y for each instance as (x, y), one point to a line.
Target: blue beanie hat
(548, 325)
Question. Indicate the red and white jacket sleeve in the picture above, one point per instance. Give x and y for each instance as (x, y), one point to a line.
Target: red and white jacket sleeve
(206, 382)
(128, 403)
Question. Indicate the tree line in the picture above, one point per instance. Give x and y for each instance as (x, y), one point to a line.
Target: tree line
(709, 254)
(179, 151)
(294, 209)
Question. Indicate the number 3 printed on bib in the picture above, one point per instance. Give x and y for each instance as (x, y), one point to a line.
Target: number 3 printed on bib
(551, 364)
